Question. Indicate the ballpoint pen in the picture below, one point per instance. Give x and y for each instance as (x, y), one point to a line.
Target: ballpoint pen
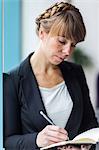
(48, 119)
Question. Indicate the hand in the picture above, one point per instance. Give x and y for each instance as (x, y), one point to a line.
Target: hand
(51, 134)
(71, 147)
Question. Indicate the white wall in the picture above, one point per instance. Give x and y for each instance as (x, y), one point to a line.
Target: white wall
(90, 12)
(30, 10)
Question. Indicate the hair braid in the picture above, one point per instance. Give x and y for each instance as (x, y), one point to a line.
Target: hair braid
(62, 19)
(54, 9)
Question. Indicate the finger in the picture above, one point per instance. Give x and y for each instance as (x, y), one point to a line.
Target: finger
(48, 141)
(56, 128)
(57, 135)
(53, 139)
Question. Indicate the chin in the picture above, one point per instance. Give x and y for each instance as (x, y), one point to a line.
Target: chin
(56, 62)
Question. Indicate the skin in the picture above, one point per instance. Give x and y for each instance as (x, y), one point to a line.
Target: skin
(55, 49)
(52, 51)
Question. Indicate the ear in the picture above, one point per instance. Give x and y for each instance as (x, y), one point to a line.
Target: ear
(42, 33)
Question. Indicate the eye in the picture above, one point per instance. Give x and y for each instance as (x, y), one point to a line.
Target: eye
(62, 42)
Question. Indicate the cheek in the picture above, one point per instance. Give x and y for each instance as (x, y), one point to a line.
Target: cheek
(53, 47)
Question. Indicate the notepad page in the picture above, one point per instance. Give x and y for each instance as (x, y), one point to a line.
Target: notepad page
(91, 134)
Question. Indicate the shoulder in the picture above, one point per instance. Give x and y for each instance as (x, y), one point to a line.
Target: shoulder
(11, 78)
(72, 67)
(14, 76)
(73, 71)
(20, 70)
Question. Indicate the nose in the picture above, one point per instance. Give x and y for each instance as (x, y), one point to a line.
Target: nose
(67, 49)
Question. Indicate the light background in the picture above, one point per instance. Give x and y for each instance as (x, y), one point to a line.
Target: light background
(90, 12)
(20, 38)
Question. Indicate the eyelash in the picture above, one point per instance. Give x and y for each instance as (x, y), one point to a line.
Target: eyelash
(62, 42)
(72, 45)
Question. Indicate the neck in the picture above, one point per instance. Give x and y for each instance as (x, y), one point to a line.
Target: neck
(40, 63)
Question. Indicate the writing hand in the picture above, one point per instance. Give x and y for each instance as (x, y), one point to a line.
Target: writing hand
(51, 134)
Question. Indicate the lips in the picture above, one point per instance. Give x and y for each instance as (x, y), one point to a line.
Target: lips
(59, 58)
(62, 58)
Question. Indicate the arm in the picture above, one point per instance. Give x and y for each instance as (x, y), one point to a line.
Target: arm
(13, 138)
(89, 119)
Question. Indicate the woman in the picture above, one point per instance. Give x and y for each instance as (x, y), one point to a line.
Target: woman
(45, 82)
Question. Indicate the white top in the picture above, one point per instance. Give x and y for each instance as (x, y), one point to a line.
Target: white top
(58, 103)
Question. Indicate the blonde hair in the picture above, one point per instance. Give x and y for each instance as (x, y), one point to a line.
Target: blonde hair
(62, 19)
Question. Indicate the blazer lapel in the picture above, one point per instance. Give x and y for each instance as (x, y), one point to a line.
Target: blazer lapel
(32, 94)
(73, 87)
(34, 100)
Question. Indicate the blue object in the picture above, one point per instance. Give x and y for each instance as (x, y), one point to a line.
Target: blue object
(1, 127)
(12, 34)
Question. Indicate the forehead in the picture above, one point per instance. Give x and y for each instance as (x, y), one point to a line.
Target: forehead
(63, 34)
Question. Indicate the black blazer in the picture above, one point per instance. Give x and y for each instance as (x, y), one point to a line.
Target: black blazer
(23, 102)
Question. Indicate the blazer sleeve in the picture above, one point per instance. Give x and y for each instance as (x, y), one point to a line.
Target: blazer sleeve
(89, 119)
(13, 138)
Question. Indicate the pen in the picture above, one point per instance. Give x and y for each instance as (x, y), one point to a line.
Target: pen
(48, 119)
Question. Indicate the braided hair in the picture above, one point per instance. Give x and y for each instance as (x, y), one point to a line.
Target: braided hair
(62, 19)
